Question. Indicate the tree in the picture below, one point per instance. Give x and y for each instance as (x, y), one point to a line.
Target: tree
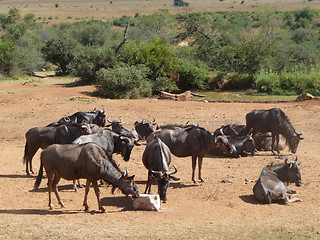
(180, 3)
(60, 51)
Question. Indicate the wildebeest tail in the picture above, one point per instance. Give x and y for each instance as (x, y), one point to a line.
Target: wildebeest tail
(39, 178)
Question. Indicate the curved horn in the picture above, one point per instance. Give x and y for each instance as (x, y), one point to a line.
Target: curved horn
(175, 170)
(66, 119)
(127, 173)
(154, 121)
(103, 110)
(159, 172)
(120, 120)
(109, 119)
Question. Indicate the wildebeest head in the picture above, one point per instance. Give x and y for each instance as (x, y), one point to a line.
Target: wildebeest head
(129, 186)
(144, 129)
(127, 145)
(100, 118)
(294, 142)
(293, 169)
(163, 180)
(114, 124)
(249, 145)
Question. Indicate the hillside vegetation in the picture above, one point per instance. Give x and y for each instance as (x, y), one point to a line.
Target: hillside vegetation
(274, 52)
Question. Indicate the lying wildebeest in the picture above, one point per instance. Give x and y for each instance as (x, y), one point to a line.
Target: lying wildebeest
(97, 117)
(89, 161)
(174, 126)
(232, 130)
(192, 141)
(157, 158)
(275, 121)
(236, 146)
(117, 127)
(270, 185)
(263, 142)
(42, 137)
(144, 129)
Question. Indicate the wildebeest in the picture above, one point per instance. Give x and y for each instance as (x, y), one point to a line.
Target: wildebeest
(263, 142)
(270, 186)
(273, 120)
(232, 130)
(192, 141)
(117, 127)
(157, 158)
(89, 161)
(97, 117)
(144, 129)
(236, 146)
(110, 142)
(42, 137)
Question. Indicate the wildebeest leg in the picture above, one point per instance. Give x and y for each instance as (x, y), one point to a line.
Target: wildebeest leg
(200, 167)
(85, 200)
(29, 153)
(149, 182)
(277, 143)
(50, 178)
(54, 186)
(97, 191)
(272, 145)
(268, 197)
(194, 163)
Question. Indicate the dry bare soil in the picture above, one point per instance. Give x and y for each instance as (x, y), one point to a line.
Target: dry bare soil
(210, 210)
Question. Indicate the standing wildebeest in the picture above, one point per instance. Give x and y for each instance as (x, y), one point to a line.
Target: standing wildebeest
(192, 141)
(97, 117)
(110, 142)
(117, 127)
(157, 158)
(42, 137)
(275, 121)
(144, 129)
(89, 161)
(270, 185)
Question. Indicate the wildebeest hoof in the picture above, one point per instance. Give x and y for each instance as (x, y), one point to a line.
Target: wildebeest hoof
(102, 210)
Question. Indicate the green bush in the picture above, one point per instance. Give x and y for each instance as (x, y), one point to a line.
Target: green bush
(296, 81)
(124, 82)
(194, 74)
(180, 3)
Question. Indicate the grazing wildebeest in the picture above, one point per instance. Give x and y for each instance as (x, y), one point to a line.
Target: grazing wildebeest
(236, 146)
(144, 129)
(192, 141)
(270, 185)
(275, 121)
(97, 117)
(157, 158)
(110, 142)
(42, 137)
(263, 142)
(117, 127)
(89, 161)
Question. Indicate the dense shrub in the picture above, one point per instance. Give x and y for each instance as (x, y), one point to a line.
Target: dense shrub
(124, 82)
(193, 74)
(296, 81)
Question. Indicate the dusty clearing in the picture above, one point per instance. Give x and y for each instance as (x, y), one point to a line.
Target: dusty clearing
(211, 210)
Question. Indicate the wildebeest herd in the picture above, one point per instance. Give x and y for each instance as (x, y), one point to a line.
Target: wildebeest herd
(82, 145)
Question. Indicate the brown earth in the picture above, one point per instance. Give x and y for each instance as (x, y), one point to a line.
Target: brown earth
(210, 210)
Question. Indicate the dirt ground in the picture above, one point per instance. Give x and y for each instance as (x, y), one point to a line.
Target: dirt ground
(210, 210)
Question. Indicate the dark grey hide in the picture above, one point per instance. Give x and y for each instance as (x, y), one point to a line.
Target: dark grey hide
(236, 146)
(270, 186)
(110, 142)
(42, 137)
(97, 117)
(117, 127)
(157, 158)
(275, 121)
(193, 141)
(144, 129)
(89, 161)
